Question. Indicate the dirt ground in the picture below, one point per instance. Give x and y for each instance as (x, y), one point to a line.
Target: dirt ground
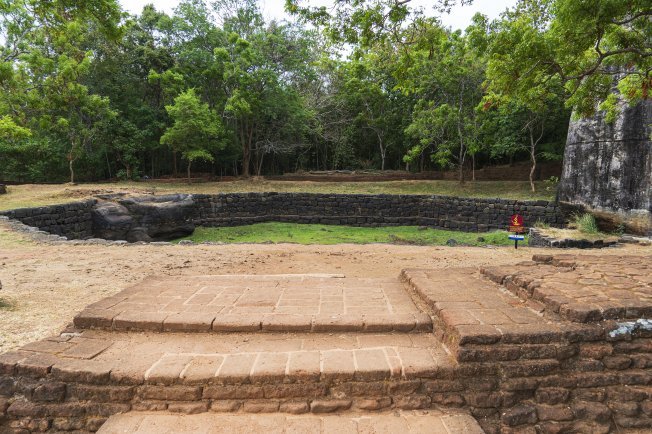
(44, 286)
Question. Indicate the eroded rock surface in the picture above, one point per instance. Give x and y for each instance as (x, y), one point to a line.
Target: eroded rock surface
(143, 218)
(608, 166)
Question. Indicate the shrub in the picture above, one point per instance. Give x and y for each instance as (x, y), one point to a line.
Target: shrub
(586, 223)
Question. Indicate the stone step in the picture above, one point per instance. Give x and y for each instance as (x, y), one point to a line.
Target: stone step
(95, 374)
(479, 320)
(407, 422)
(579, 288)
(259, 303)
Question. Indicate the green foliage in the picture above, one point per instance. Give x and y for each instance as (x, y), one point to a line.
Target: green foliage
(585, 223)
(551, 183)
(580, 44)
(89, 92)
(195, 124)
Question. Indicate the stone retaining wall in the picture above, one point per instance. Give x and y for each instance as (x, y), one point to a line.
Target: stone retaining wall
(445, 212)
(74, 220)
(71, 220)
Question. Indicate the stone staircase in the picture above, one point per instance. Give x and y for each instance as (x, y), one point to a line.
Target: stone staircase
(434, 351)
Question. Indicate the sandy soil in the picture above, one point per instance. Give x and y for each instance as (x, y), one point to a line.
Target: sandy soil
(44, 286)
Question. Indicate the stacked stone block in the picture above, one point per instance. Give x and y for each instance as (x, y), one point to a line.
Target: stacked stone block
(71, 220)
(444, 212)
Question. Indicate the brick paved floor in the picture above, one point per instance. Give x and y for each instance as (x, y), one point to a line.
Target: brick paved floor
(406, 422)
(582, 288)
(168, 358)
(253, 303)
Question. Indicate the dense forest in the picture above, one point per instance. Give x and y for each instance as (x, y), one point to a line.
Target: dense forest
(90, 92)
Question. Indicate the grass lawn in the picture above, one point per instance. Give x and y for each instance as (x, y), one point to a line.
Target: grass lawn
(326, 234)
(47, 194)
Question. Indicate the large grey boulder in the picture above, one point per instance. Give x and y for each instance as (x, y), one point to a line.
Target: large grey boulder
(111, 221)
(608, 167)
(144, 218)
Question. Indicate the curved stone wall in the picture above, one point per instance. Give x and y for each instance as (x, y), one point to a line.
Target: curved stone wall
(79, 220)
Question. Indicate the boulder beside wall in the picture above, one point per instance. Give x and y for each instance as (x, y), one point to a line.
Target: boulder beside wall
(608, 168)
(144, 218)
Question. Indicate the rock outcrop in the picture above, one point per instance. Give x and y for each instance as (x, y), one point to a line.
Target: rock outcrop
(608, 167)
(143, 218)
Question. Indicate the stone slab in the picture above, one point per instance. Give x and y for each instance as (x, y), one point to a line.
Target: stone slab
(259, 303)
(470, 310)
(582, 288)
(186, 359)
(408, 422)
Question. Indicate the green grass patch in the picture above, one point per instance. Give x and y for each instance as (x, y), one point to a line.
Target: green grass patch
(6, 305)
(326, 234)
(30, 195)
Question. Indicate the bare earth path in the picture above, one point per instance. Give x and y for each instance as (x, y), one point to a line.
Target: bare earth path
(46, 285)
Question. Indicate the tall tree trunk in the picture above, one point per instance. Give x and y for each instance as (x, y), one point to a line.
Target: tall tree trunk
(473, 167)
(534, 166)
(533, 151)
(189, 163)
(459, 132)
(71, 161)
(174, 158)
(246, 151)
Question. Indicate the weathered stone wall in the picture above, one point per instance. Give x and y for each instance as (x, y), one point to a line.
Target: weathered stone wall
(608, 166)
(464, 214)
(71, 220)
(75, 220)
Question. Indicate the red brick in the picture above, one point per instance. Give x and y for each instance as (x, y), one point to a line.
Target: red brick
(236, 368)
(519, 415)
(417, 363)
(133, 320)
(167, 369)
(373, 403)
(338, 365)
(286, 323)
(236, 323)
(189, 321)
(477, 334)
(371, 365)
(329, 405)
(411, 402)
(170, 393)
(294, 407)
(225, 406)
(554, 412)
(337, 323)
(296, 390)
(304, 365)
(95, 318)
(269, 367)
(202, 368)
(261, 406)
(188, 407)
(51, 392)
(244, 391)
(100, 393)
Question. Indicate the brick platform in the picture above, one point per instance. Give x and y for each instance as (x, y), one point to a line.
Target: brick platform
(582, 288)
(272, 303)
(408, 422)
(499, 344)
